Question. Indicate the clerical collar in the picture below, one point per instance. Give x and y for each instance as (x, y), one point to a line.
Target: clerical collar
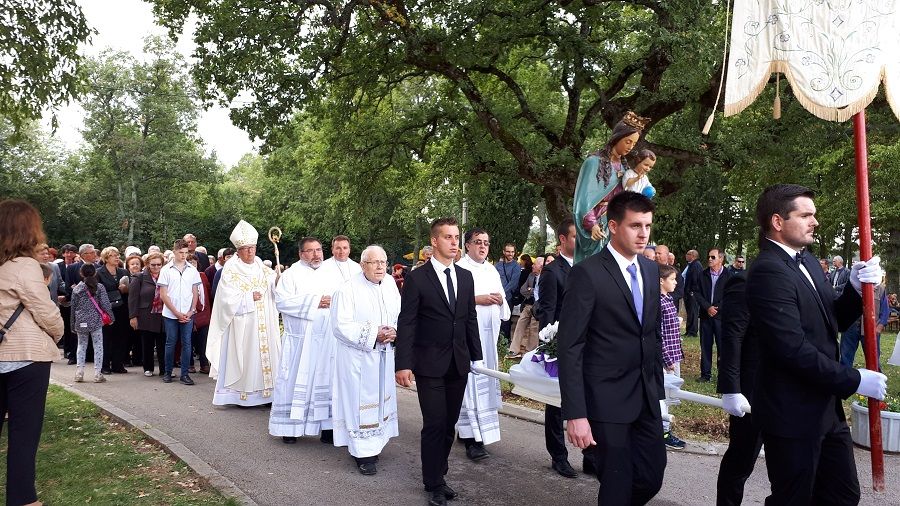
(473, 260)
(787, 249)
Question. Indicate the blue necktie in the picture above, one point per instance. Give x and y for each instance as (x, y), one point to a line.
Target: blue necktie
(636, 293)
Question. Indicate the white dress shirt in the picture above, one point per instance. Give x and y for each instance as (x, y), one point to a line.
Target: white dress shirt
(623, 266)
(439, 268)
(793, 253)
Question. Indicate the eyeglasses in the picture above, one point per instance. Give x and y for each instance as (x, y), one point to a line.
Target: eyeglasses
(713, 257)
(380, 263)
(480, 242)
(739, 261)
(317, 250)
(155, 265)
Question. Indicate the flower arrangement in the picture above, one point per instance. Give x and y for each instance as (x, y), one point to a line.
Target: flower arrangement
(546, 352)
(890, 403)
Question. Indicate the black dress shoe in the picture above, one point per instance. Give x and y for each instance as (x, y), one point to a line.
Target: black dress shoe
(437, 498)
(106, 371)
(120, 370)
(167, 378)
(289, 440)
(702, 379)
(72, 361)
(186, 380)
(564, 468)
(476, 453)
(449, 493)
(367, 469)
(327, 437)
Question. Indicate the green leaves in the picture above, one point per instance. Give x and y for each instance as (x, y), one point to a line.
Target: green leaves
(39, 62)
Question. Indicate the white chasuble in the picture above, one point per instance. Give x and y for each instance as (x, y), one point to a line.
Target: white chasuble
(365, 400)
(301, 405)
(479, 416)
(244, 345)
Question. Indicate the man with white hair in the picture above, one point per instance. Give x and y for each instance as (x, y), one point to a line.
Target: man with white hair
(479, 419)
(840, 276)
(364, 318)
(340, 264)
(301, 405)
(243, 346)
(194, 251)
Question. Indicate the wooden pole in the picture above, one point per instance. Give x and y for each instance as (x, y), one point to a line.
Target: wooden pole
(870, 345)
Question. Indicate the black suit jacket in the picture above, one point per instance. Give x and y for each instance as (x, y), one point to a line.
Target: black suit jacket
(551, 288)
(429, 335)
(842, 276)
(609, 362)
(692, 280)
(801, 380)
(704, 294)
(739, 362)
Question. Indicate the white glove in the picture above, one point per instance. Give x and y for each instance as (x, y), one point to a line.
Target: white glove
(866, 272)
(732, 403)
(477, 363)
(872, 384)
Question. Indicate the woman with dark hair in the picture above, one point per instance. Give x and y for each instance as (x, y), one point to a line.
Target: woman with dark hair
(88, 307)
(33, 326)
(115, 337)
(133, 350)
(599, 181)
(145, 312)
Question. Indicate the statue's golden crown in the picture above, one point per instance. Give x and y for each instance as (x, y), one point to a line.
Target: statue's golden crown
(632, 119)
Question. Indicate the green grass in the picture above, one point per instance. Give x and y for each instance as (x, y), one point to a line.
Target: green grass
(87, 458)
(706, 423)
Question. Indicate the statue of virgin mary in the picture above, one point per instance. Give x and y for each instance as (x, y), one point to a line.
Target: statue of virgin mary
(599, 181)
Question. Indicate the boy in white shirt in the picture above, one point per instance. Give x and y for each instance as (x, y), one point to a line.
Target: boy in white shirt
(178, 285)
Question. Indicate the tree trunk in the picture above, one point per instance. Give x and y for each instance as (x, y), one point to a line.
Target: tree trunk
(542, 227)
(892, 255)
(847, 248)
(558, 204)
(134, 208)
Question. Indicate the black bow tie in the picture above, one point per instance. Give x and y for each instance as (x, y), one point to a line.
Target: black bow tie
(799, 257)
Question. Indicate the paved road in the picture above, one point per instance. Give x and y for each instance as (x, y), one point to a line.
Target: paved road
(236, 443)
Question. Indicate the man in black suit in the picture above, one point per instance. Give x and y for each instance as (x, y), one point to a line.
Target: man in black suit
(691, 281)
(708, 294)
(840, 275)
(796, 316)
(551, 288)
(438, 340)
(738, 366)
(610, 359)
(662, 258)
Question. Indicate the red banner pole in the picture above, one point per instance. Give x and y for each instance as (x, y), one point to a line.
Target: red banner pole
(868, 294)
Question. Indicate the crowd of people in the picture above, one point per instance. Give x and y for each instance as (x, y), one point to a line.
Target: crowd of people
(349, 338)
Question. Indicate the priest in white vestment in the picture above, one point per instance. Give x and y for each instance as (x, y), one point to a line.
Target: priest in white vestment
(301, 405)
(340, 264)
(479, 418)
(244, 345)
(364, 318)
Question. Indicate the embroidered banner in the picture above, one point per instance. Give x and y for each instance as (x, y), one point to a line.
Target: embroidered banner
(835, 53)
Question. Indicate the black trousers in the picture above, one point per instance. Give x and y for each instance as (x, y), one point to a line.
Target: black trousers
(710, 332)
(115, 340)
(440, 400)
(692, 311)
(817, 470)
(739, 459)
(554, 436)
(69, 339)
(630, 459)
(198, 342)
(149, 342)
(23, 394)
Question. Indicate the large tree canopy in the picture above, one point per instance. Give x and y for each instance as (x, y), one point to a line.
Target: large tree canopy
(39, 60)
(531, 84)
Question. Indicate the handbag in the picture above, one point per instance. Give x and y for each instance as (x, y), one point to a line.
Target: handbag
(105, 318)
(12, 319)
